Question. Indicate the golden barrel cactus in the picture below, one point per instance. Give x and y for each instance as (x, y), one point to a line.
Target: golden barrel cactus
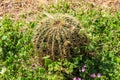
(57, 36)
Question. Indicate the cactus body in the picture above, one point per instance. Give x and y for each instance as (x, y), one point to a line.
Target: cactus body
(58, 36)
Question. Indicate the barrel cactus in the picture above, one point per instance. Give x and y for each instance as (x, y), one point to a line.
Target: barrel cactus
(57, 36)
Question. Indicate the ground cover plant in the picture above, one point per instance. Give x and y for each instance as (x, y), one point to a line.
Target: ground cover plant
(18, 60)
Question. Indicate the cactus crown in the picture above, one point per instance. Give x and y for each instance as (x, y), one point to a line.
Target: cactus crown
(57, 36)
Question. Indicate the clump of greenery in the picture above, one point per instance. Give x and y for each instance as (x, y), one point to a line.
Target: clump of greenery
(9, 38)
(58, 35)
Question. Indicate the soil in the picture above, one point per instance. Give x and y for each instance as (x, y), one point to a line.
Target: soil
(17, 7)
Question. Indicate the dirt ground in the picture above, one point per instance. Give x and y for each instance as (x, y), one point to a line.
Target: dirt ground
(16, 7)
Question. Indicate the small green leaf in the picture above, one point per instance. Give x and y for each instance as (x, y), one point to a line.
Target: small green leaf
(4, 37)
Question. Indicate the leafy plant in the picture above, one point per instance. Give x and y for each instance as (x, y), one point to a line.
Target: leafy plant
(9, 38)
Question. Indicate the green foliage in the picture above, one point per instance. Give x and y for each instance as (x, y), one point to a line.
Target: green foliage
(17, 58)
(9, 37)
(15, 43)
